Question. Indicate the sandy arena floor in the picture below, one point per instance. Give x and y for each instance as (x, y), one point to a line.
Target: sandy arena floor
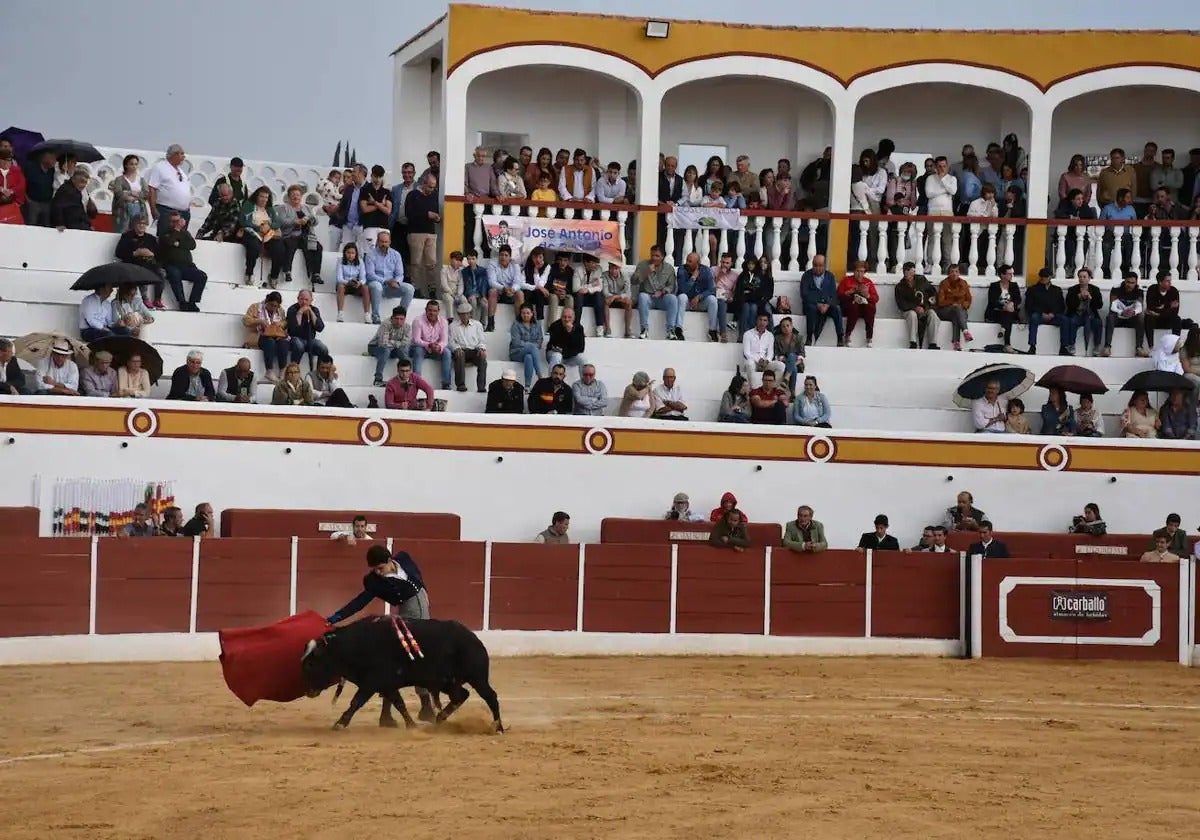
(617, 748)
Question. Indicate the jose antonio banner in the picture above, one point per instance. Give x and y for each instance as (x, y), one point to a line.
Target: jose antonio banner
(522, 234)
(692, 218)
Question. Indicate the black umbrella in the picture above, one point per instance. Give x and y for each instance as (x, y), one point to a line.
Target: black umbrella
(1157, 380)
(1073, 379)
(124, 346)
(82, 152)
(1014, 381)
(114, 274)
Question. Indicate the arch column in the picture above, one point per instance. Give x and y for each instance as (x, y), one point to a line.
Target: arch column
(1041, 116)
(647, 184)
(844, 157)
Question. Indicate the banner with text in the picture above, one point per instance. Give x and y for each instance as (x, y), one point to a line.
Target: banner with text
(692, 218)
(522, 234)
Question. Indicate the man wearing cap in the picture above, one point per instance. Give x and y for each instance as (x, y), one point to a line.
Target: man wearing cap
(505, 396)
(1176, 537)
(879, 539)
(578, 181)
(99, 380)
(235, 182)
(1044, 304)
(681, 510)
(12, 378)
(96, 319)
(58, 375)
(468, 346)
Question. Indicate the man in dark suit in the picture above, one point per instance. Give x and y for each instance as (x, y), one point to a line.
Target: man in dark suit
(670, 191)
(12, 378)
(879, 539)
(987, 546)
(192, 381)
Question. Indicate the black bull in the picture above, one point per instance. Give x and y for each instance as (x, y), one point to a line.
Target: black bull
(379, 658)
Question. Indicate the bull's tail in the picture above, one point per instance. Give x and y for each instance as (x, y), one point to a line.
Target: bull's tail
(477, 678)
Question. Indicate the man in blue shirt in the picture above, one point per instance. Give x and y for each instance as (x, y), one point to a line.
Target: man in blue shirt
(697, 292)
(818, 297)
(385, 274)
(1120, 209)
(349, 208)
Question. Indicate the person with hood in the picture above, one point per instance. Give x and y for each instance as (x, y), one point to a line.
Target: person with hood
(1166, 354)
(728, 503)
(681, 510)
(730, 532)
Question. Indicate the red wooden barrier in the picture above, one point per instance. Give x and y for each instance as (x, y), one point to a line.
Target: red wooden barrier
(1064, 546)
(627, 589)
(243, 583)
(19, 521)
(654, 531)
(143, 585)
(915, 595)
(720, 590)
(44, 586)
(821, 594)
(453, 572)
(534, 587)
(263, 522)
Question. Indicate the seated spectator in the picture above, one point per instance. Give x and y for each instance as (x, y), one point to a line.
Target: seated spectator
(537, 275)
(130, 194)
(964, 516)
(132, 380)
(556, 534)
(550, 395)
(351, 278)
(730, 532)
(1058, 418)
(1016, 423)
(142, 524)
(403, 389)
(292, 389)
(987, 546)
(224, 220)
(391, 341)
(735, 402)
(812, 407)
(697, 293)
(668, 398)
(304, 323)
(1139, 420)
(589, 394)
(565, 341)
(475, 290)
(789, 349)
(758, 350)
(172, 523)
(1089, 523)
(1175, 536)
(954, 302)
(96, 317)
(1004, 305)
(638, 399)
(506, 282)
(191, 381)
(200, 525)
(1178, 417)
(12, 378)
(468, 346)
(916, 298)
(260, 233)
(129, 310)
(818, 297)
(879, 539)
(140, 248)
(236, 383)
(326, 389)
(1162, 308)
(858, 297)
(654, 282)
(1166, 355)
(727, 505)
(617, 293)
(1125, 310)
(57, 374)
(266, 330)
(990, 412)
(769, 403)
(384, 272)
(1088, 421)
(298, 232)
(937, 543)
(1084, 302)
(681, 510)
(525, 343)
(558, 285)
(753, 293)
(99, 379)
(175, 246)
(925, 543)
(71, 206)
(1160, 554)
(587, 287)
(805, 534)
(505, 396)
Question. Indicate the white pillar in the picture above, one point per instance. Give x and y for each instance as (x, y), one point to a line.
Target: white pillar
(1040, 186)
(650, 134)
(844, 156)
(454, 151)
(413, 115)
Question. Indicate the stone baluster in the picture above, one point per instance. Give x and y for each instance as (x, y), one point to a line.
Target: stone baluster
(622, 236)
(793, 262)
(935, 247)
(586, 213)
(861, 251)
(918, 237)
(1114, 259)
(1193, 253)
(903, 242)
(1095, 235)
(881, 245)
(1000, 245)
(760, 227)
(740, 247)
(690, 237)
(1173, 253)
(1080, 251)
(811, 252)
(776, 243)
(669, 245)
(1135, 258)
(955, 233)
(1154, 256)
(973, 252)
(702, 243)
(477, 233)
(1060, 252)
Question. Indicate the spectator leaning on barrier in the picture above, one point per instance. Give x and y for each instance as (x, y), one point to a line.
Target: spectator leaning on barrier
(805, 534)
(681, 510)
(556, 534)
(987, 546)
(1176, 537)
(200, 525)
(359, 530)
(879, 539)
(730, 532)
(964, 516)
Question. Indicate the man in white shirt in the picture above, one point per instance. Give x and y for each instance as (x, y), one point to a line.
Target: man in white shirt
(612, 187)
(468, 346)
(358, 531)
(990, 411)
(96, 319)
(940, 189)
(58, 375)
(170, 189)
(938, 546)
(669, 397)
(577, 181)
(758, 350)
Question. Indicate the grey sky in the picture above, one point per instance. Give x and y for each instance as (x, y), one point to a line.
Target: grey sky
(102, 71)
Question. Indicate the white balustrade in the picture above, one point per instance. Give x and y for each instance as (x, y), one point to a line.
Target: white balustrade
(973, 254)
(1060, 252)
(1193, 255)
(794, 242)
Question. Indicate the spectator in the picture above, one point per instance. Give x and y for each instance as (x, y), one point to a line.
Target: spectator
(1160, 553)
(298, 230)
(954, 302)
(141, 249)
(430, 337)
(468, 346)
(39, 190)
(1114, 178)
(450, 284)
(752, 296)
(735, 402)
(984, 207)
(1162, 308)
(12, 187)
(266, 329)
(879, 539)
(587, 287)
(558, 285)
(525, 343)
(351, 277)
(475, 289)
(424, 214)
(200, 525)
(1044, 304)
(728, 505)
(1083, 306)
(1139, 420)
(505, 396)
(617, 293)
(506, 282)
(729, 532)
(638, 399)
(1090, 522)
(1016, 423)
(805, 534)
(1088, 421)
(359, 530)
(550, 395)
(938, 544)
(58, 375)
(858, 296)
(261, 234)
(433, 163)
(725, 282)
(758, 350)
(402, 390)
(576, 182)
(129, 310)
(191, 381)
(510, 183)
(480, 179)
(224, 221)
(990, 411)
(589, 395)
(987, 546)
(384, 272)
(1125, 310)
(1165, 176)
(1058, 418)
(812, 407)
(1175, 536)
(142, 524)
(326, 388)
(1118, 237)
(375, 208)
(744, 176)
(391, 341)
(129, 195)
(565, 341)
(99, 379)
(668, 399)
(71, 206)
(964, 516)
(1076, 178)
(818, 297)
(769, 403)
(697, 292)
(233, 180)
(1167, 354)
(12, 378)
(96, 317)
(175, 246)
(1073, 207)
(172, 523)
(398, 219)
(916, 298)
(940, 190)
(655, 282)
(1178, 417)
(236, 383)
(292, 390)
(926, 542)
(611, 189)
(543, 191)
(789, 349)
(1189, 360)
(349, 211)
(304, 323)
(556, 534)
(681, 510)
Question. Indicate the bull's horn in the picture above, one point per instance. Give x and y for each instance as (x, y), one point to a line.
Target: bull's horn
(309, 648)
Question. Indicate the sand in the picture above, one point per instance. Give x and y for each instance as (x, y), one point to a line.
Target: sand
(617, 748)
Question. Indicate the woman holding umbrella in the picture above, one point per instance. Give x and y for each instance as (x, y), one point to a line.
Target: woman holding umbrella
(1058, 418)
(1139, 420)
(1178, 418)
(132, 379)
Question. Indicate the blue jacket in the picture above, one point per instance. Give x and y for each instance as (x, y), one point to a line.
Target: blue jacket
(703, 286)
(475, 281)
(520, 334)
(814, 290)
(393, 590)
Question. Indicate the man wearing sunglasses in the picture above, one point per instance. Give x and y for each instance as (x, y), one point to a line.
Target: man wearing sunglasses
(170, 190)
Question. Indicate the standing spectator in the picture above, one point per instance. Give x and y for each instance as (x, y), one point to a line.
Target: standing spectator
(818, 298)
(589, 395)
(260, 233)
(1165, 176)
(141, 249)
(129, 195)
(789, 349)
(99, 379)
(385, 275)
(655, 282)
(556, 534)
(266, 330)
(987, 545)
(506, 283)
(668, 399)
(450, 284)
(858, 296)
(1162, 307)
(224, 220)
(96, 318)
(1139, 420)
(990, 412)
(1044, 304)
(611, 189)
(617, 293)
(879, 539)
(129, 310)
(638, 397)
(576, 182)
(39, 190)
(565, 341)
(510, 183)
(330, 193)
(304, 323)
(352, 278)
(430, 337)
(730, 532)
(940, 190)
(1118, 236)
(954, 302)
(480, 178)
(191, 381)
(200, 525)
(964, 516)
(550, 395)
(391, 341)
(587, 287)
(812, 407)
(525, 343)
(12, 187)
(175, 246)
(233, 179)
(1073, 207)
(1076, 178)
(403, 389)
(71, 206)
(375, 208)
(1083, 312)
(725, 282)
(728, 505)
(12, 378)
(298, 231)
(769, 403)
(349, 211)
(424, 214)
(236, 383)
(169, 189)
(805, 534)
(1114, 178)
(58, 375)
(916, 298)
(468, 346)
(1058, 418)
(475, 289)
(398, 220)
(758, 350)
(505, 396)
(1125, 310)
(735, 402)
(292, 389)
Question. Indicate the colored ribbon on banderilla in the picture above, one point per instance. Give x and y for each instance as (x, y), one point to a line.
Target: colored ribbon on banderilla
(407, 640)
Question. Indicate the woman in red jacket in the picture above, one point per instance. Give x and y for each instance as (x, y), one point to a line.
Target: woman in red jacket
(858, 297)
